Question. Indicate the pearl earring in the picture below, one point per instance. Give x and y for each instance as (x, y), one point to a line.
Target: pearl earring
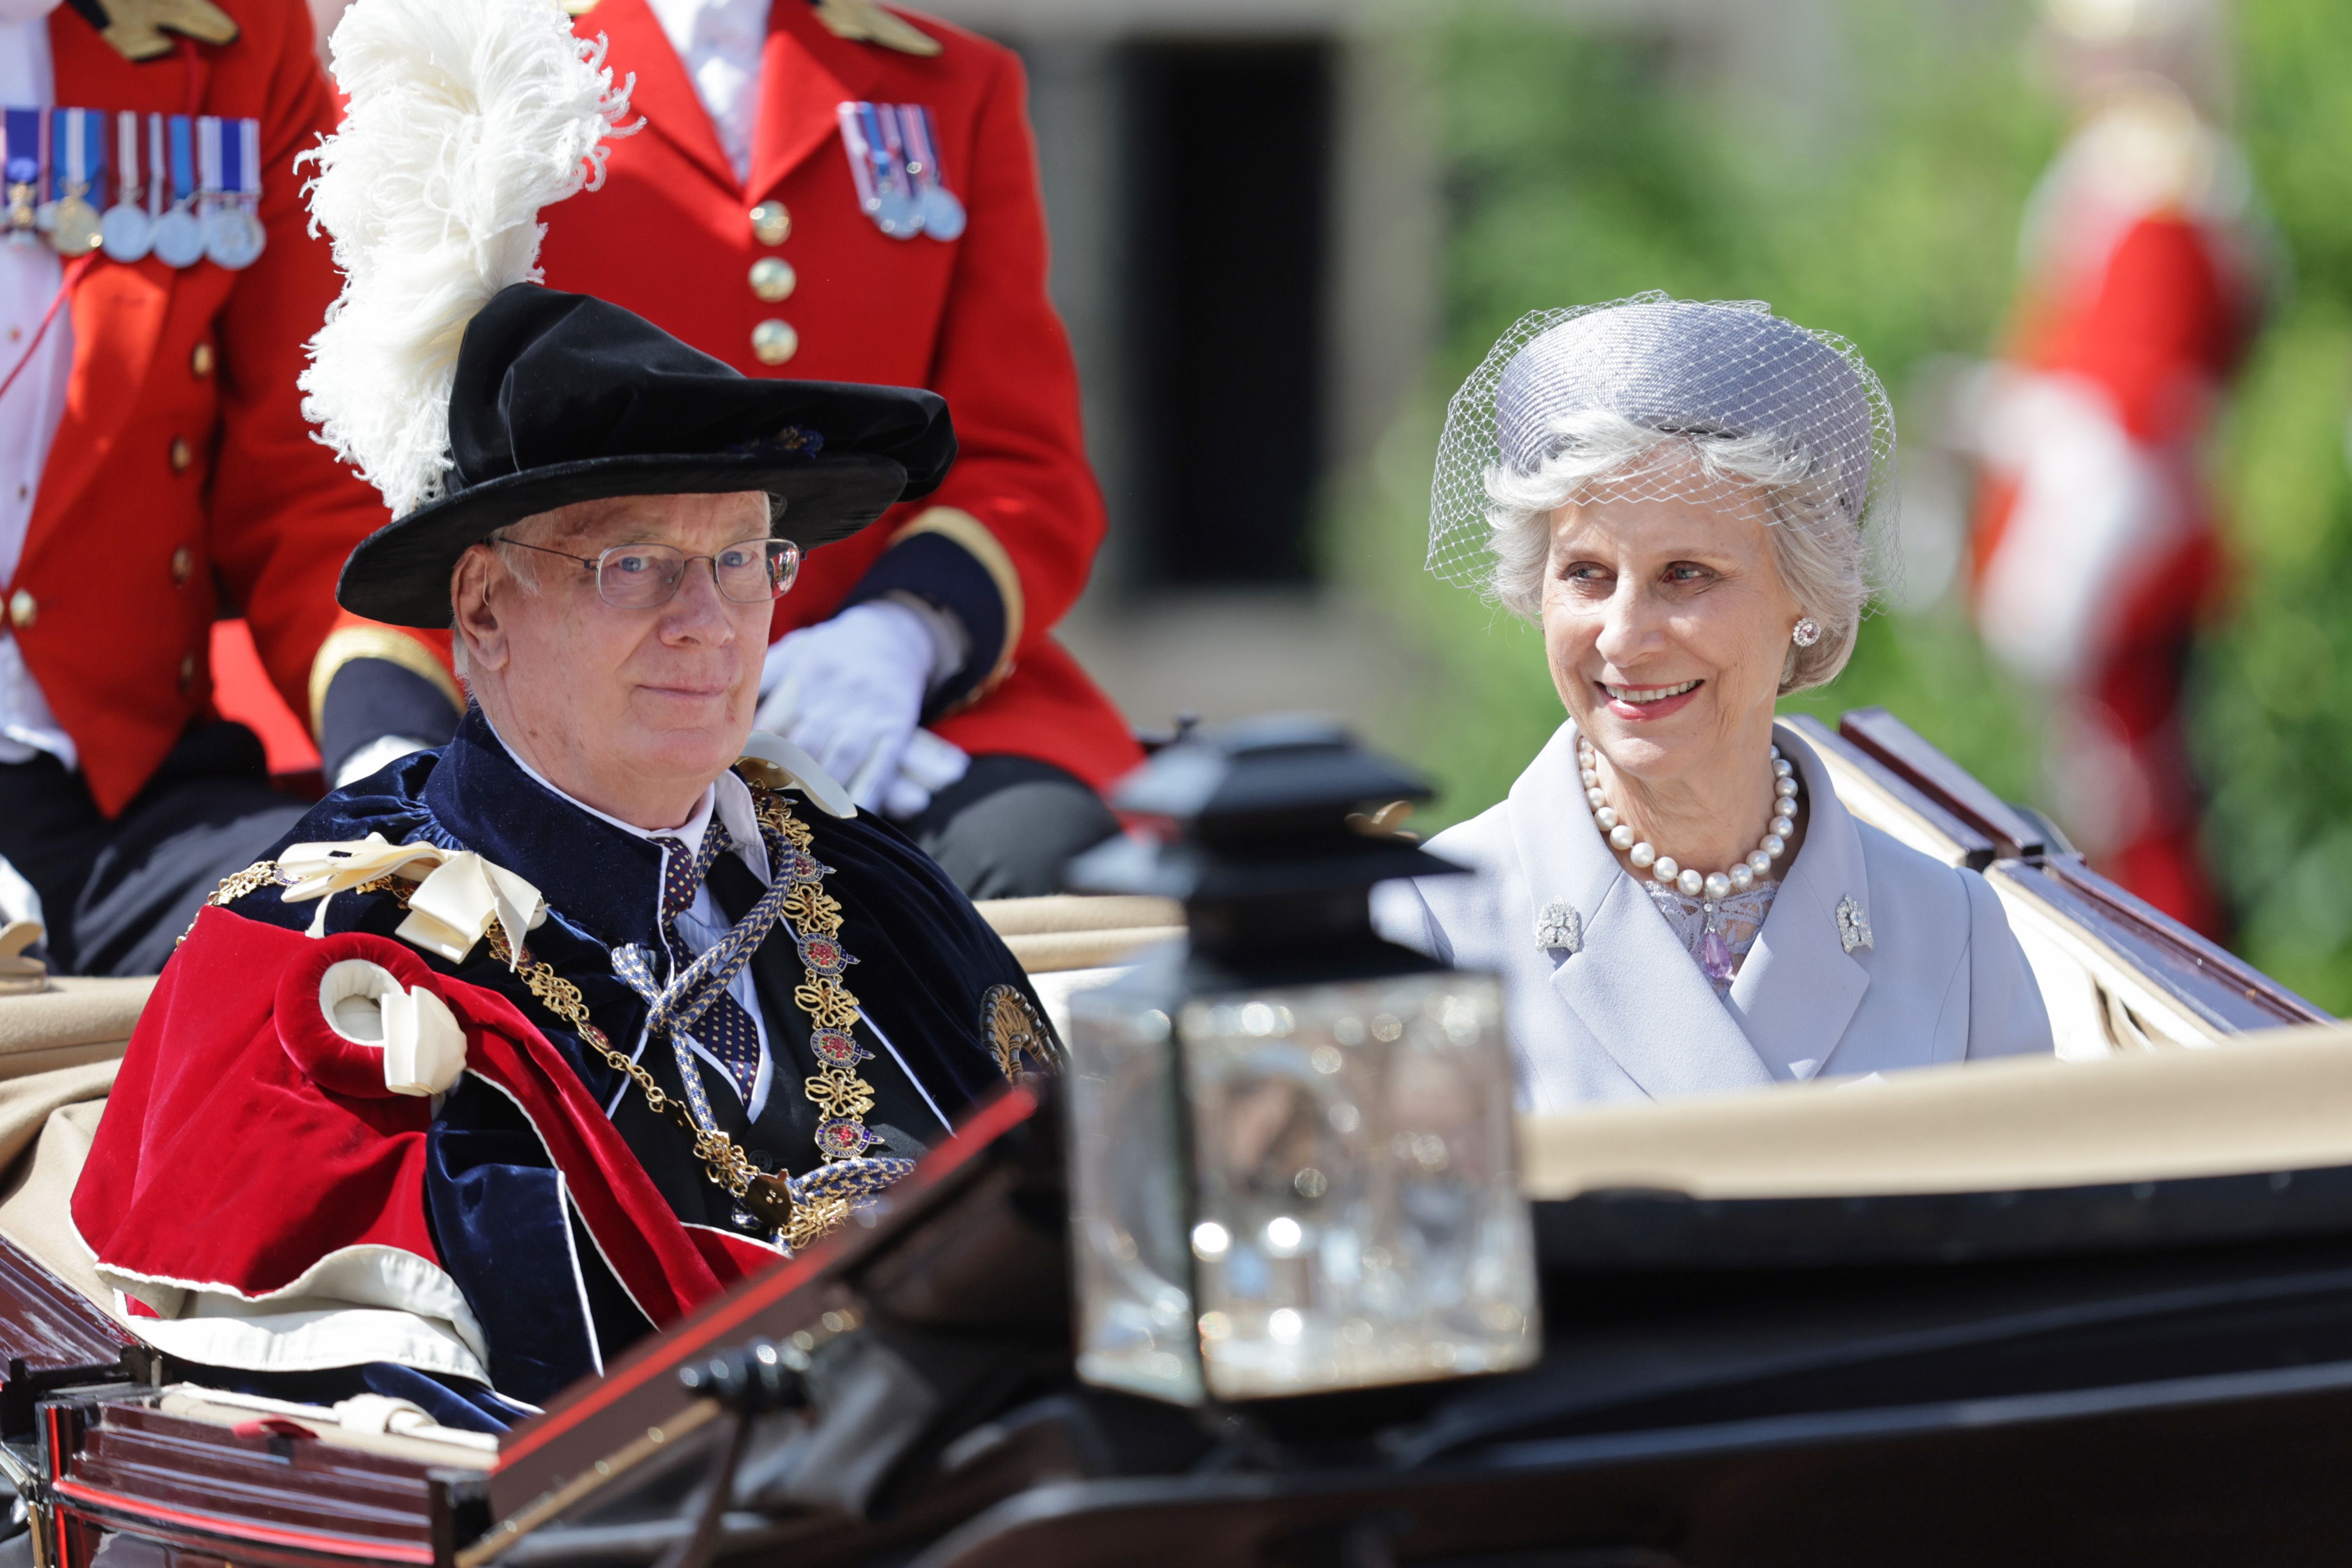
(1808, 633)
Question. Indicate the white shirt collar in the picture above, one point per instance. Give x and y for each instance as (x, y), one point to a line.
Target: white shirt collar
(721, 42)
(725, 796)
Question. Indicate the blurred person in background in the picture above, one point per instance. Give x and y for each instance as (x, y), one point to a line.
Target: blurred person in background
(2097, 541)
(155, 469)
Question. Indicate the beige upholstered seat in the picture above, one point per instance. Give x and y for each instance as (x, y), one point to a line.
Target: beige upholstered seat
(2279, 1100)
(58, 1051)
(1053, 935)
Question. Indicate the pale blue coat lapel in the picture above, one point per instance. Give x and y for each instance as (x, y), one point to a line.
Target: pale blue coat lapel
(1630, 1015)
(1633, 986)
(1798, 988)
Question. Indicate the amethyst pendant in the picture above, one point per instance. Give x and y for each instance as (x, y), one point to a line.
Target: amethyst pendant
(1714, 957)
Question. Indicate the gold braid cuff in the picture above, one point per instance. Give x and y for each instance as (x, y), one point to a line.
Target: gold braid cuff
(345, 643)
(973, 536)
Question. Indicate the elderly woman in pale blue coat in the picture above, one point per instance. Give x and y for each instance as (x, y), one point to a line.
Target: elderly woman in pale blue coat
(1685, 498)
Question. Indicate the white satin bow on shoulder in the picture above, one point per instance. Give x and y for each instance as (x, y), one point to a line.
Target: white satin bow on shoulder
(423, 1044)
(458, 893)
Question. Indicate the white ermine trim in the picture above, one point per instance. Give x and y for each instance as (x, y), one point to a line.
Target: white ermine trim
(356, 1304)
(313, 1339)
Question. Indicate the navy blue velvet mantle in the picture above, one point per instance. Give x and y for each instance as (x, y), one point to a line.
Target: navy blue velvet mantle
(926, 959)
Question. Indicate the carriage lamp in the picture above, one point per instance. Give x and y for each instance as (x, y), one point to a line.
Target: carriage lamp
(1291, 1142)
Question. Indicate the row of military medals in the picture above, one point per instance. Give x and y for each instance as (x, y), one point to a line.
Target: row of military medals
(199, 200)
(894, 158)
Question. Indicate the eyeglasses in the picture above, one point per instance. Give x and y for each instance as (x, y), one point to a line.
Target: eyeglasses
(641, 576)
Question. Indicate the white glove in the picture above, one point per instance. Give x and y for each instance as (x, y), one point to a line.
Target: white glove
(18, 901)
(929, 766)
(850, 690)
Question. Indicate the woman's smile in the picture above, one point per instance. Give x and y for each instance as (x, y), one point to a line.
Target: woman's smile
(1640, 703)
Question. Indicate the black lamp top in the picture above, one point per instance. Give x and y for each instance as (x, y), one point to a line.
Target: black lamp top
(1262, 819)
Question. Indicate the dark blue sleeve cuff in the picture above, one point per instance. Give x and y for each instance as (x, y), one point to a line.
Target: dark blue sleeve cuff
(937, 568)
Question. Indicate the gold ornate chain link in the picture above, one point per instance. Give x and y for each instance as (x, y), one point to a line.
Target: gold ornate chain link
(260, 873)
(826, 1001)
(723, 1159)
(842, 1098)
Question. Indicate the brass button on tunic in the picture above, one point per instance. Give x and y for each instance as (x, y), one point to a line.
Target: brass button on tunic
(774, 341)
(772, 279)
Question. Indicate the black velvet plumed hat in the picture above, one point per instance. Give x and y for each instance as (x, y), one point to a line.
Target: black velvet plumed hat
(563, 397)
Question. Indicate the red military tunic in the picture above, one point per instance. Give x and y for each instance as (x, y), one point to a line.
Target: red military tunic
(2097, 544)
(1007, 542)
(182, 472)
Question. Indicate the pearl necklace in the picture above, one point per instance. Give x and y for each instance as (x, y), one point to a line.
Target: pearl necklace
(1690, 882)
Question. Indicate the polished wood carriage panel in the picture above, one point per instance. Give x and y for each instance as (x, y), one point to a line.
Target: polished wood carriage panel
(49, 1337)
(261, 1492)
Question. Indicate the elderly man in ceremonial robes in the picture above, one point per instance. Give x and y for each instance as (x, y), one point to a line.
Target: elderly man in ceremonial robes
(531, 1043)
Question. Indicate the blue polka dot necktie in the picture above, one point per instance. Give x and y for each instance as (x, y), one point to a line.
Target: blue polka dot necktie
(725, 1029)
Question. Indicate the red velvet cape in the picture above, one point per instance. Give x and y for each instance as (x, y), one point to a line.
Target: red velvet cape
(246, 1141)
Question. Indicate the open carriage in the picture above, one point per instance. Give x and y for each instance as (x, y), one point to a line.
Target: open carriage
(2088, 1309)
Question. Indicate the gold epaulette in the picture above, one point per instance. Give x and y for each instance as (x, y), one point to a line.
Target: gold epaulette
(864, 22)
(136, 28)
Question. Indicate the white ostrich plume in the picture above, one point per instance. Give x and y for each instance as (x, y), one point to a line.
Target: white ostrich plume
(467, 117)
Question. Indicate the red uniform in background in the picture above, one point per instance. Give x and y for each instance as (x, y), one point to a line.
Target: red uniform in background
(183, 474)
(1008, 542)
(179, 482)
(2097, 541)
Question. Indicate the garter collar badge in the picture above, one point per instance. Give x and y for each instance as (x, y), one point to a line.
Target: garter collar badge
(1014, 1031)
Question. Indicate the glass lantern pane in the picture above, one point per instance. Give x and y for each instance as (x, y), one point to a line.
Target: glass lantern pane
(1136, 1321)
(1356, 1218)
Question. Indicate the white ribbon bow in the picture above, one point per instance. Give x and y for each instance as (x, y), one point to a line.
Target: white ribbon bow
(454, 903)
(423, 1044)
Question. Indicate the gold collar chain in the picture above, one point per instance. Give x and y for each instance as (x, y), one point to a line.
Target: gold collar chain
(842, 1099)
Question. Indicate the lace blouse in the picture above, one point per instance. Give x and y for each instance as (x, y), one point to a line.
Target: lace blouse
(1736, 920)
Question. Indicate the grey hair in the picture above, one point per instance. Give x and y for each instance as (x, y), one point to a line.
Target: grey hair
(523, 565)
(1817, 542)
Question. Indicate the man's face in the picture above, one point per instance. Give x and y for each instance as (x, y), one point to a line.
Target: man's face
(633, 711)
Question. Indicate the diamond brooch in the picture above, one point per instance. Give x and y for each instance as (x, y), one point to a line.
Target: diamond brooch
(1560, 929)
(1853, 925)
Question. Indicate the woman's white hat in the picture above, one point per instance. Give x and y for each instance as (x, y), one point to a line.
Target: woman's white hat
(1723, 371)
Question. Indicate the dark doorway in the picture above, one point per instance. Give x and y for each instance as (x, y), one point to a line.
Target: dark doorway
(1228, 151)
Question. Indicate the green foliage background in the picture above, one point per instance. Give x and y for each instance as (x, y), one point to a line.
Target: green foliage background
(1579, 168)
